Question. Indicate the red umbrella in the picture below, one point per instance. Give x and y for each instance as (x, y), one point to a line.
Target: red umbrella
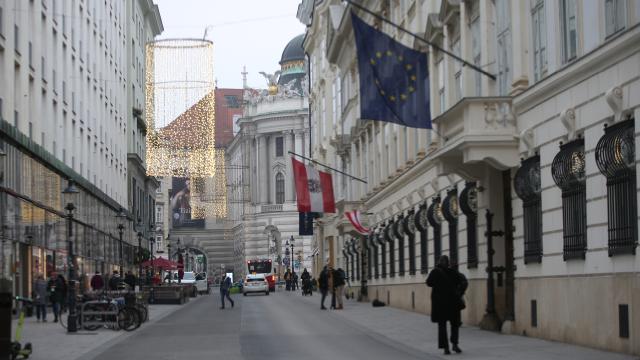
(161, 263)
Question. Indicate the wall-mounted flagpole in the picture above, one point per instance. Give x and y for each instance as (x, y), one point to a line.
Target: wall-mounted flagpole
(328, 167)
(416, 36)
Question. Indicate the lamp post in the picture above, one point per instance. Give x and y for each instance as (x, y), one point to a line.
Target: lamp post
(139, 257)
(71, 296)
(169, 256)
(291, 245)
(120, 216)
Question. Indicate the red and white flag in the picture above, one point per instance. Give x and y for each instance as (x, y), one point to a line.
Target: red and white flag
(354, 219)
(314, 189)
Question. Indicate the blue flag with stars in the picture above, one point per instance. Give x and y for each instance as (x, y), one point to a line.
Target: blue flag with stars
(394, 79)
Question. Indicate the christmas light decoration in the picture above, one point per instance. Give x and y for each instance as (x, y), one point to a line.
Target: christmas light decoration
(179, 107)
(209, 195)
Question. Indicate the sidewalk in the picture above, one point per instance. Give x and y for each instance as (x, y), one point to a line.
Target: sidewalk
(416, 331)
(51, 341)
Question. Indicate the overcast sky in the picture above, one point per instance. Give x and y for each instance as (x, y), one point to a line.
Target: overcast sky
(244, 32)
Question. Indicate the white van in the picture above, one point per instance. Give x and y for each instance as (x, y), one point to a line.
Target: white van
(199, 280)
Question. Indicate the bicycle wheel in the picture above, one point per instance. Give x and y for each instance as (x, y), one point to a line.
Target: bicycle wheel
(62, 318)
(129, 318)
(144, 312)
(90, 318)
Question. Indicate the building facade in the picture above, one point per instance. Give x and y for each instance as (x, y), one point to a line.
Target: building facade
(262, 208)
(66, 108)
(537, 166)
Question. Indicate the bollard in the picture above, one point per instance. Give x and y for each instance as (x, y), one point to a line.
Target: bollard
(5, 319)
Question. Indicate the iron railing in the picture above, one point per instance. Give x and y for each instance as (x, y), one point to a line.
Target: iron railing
(392, 251)
(421, 223)
(434, 215)
(409, 225)
(398, 232)
(450, 212)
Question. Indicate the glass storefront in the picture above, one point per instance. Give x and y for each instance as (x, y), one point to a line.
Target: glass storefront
(34, 225)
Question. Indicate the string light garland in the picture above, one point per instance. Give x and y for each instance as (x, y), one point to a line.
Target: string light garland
(180, 108)
(209, 195)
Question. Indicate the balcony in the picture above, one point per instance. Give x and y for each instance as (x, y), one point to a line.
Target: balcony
(477, 130)
(271, 208)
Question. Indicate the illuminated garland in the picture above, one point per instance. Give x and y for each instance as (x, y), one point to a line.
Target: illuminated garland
(209, 195)
(180, 108)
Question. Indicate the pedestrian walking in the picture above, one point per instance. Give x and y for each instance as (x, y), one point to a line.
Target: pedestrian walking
(57, 287)
(446, 302)
(130, 279)
(114, 282)
(340, 281)
(323, 285)
(97, 282)
(40, 296)
(225, 288)
(287, 279)
(294, 284)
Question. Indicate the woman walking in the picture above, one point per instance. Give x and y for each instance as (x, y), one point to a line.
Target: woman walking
(40, 296)
(446, 302)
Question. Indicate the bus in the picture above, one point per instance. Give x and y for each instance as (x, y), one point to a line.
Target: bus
(262, 266)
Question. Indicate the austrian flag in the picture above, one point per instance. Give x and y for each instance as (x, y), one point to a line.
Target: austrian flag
(314, 189)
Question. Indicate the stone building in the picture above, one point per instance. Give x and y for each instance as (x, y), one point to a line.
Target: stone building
(547, 149)
(262, 207)
(69, 102)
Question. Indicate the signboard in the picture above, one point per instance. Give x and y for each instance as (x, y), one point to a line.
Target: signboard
(180, 199)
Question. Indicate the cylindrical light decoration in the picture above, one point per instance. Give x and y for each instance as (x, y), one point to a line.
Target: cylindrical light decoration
(180, 107)
(209, 195)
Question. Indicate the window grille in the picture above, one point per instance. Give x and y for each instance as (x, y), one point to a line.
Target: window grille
(568, 171)
(469, 205)
(376, 263)
(398, 232)
(392, 248)
(345, 255)
(422, 222)
(527, 186)
(434, 215)
(615, 157)
(355, 253)
(382, 239)
(409, 225)
(450, 213)
(369, 247)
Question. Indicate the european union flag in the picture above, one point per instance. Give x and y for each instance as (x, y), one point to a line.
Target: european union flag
(394, 79)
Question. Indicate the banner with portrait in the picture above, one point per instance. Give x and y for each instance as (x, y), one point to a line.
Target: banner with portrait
(180, 200)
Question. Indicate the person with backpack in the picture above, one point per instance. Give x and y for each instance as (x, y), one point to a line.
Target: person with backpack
(225, 288)
(448, 287)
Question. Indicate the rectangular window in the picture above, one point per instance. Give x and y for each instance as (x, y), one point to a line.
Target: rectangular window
(16, 119)
(16, 38)
(42, 66)
(539, 39)
(279, 146)
(232, 101)
(569, 30)
(503, 32)
(441, 81)
(1, 21)
(457, 68)
(475, 46)
(614, 16)
(527, 186)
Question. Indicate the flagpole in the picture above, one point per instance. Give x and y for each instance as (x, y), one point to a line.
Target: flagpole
(327, 166)
(474, 67)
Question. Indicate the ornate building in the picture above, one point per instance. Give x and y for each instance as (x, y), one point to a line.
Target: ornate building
(262, 207)
(537, 166)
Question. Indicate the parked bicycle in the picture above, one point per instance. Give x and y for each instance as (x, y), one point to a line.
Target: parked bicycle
(106, 311)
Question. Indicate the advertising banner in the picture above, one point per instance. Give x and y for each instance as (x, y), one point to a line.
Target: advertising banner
(180, 199)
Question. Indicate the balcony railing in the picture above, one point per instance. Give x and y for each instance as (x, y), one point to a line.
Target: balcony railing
(271, 208)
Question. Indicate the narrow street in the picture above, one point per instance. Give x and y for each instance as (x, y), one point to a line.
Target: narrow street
(278, 326)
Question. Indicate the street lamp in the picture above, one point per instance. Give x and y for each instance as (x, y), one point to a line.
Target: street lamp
(139, 257)
(120, 216)
(71, 320)
(169, 256)
(291, 244)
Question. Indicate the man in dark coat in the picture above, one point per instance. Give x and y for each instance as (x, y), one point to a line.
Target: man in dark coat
(130, 279)
(446, 302)
(323, 285)
(97, 282)
(225, 288)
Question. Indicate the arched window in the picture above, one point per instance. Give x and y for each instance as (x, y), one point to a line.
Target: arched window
(279, 188)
